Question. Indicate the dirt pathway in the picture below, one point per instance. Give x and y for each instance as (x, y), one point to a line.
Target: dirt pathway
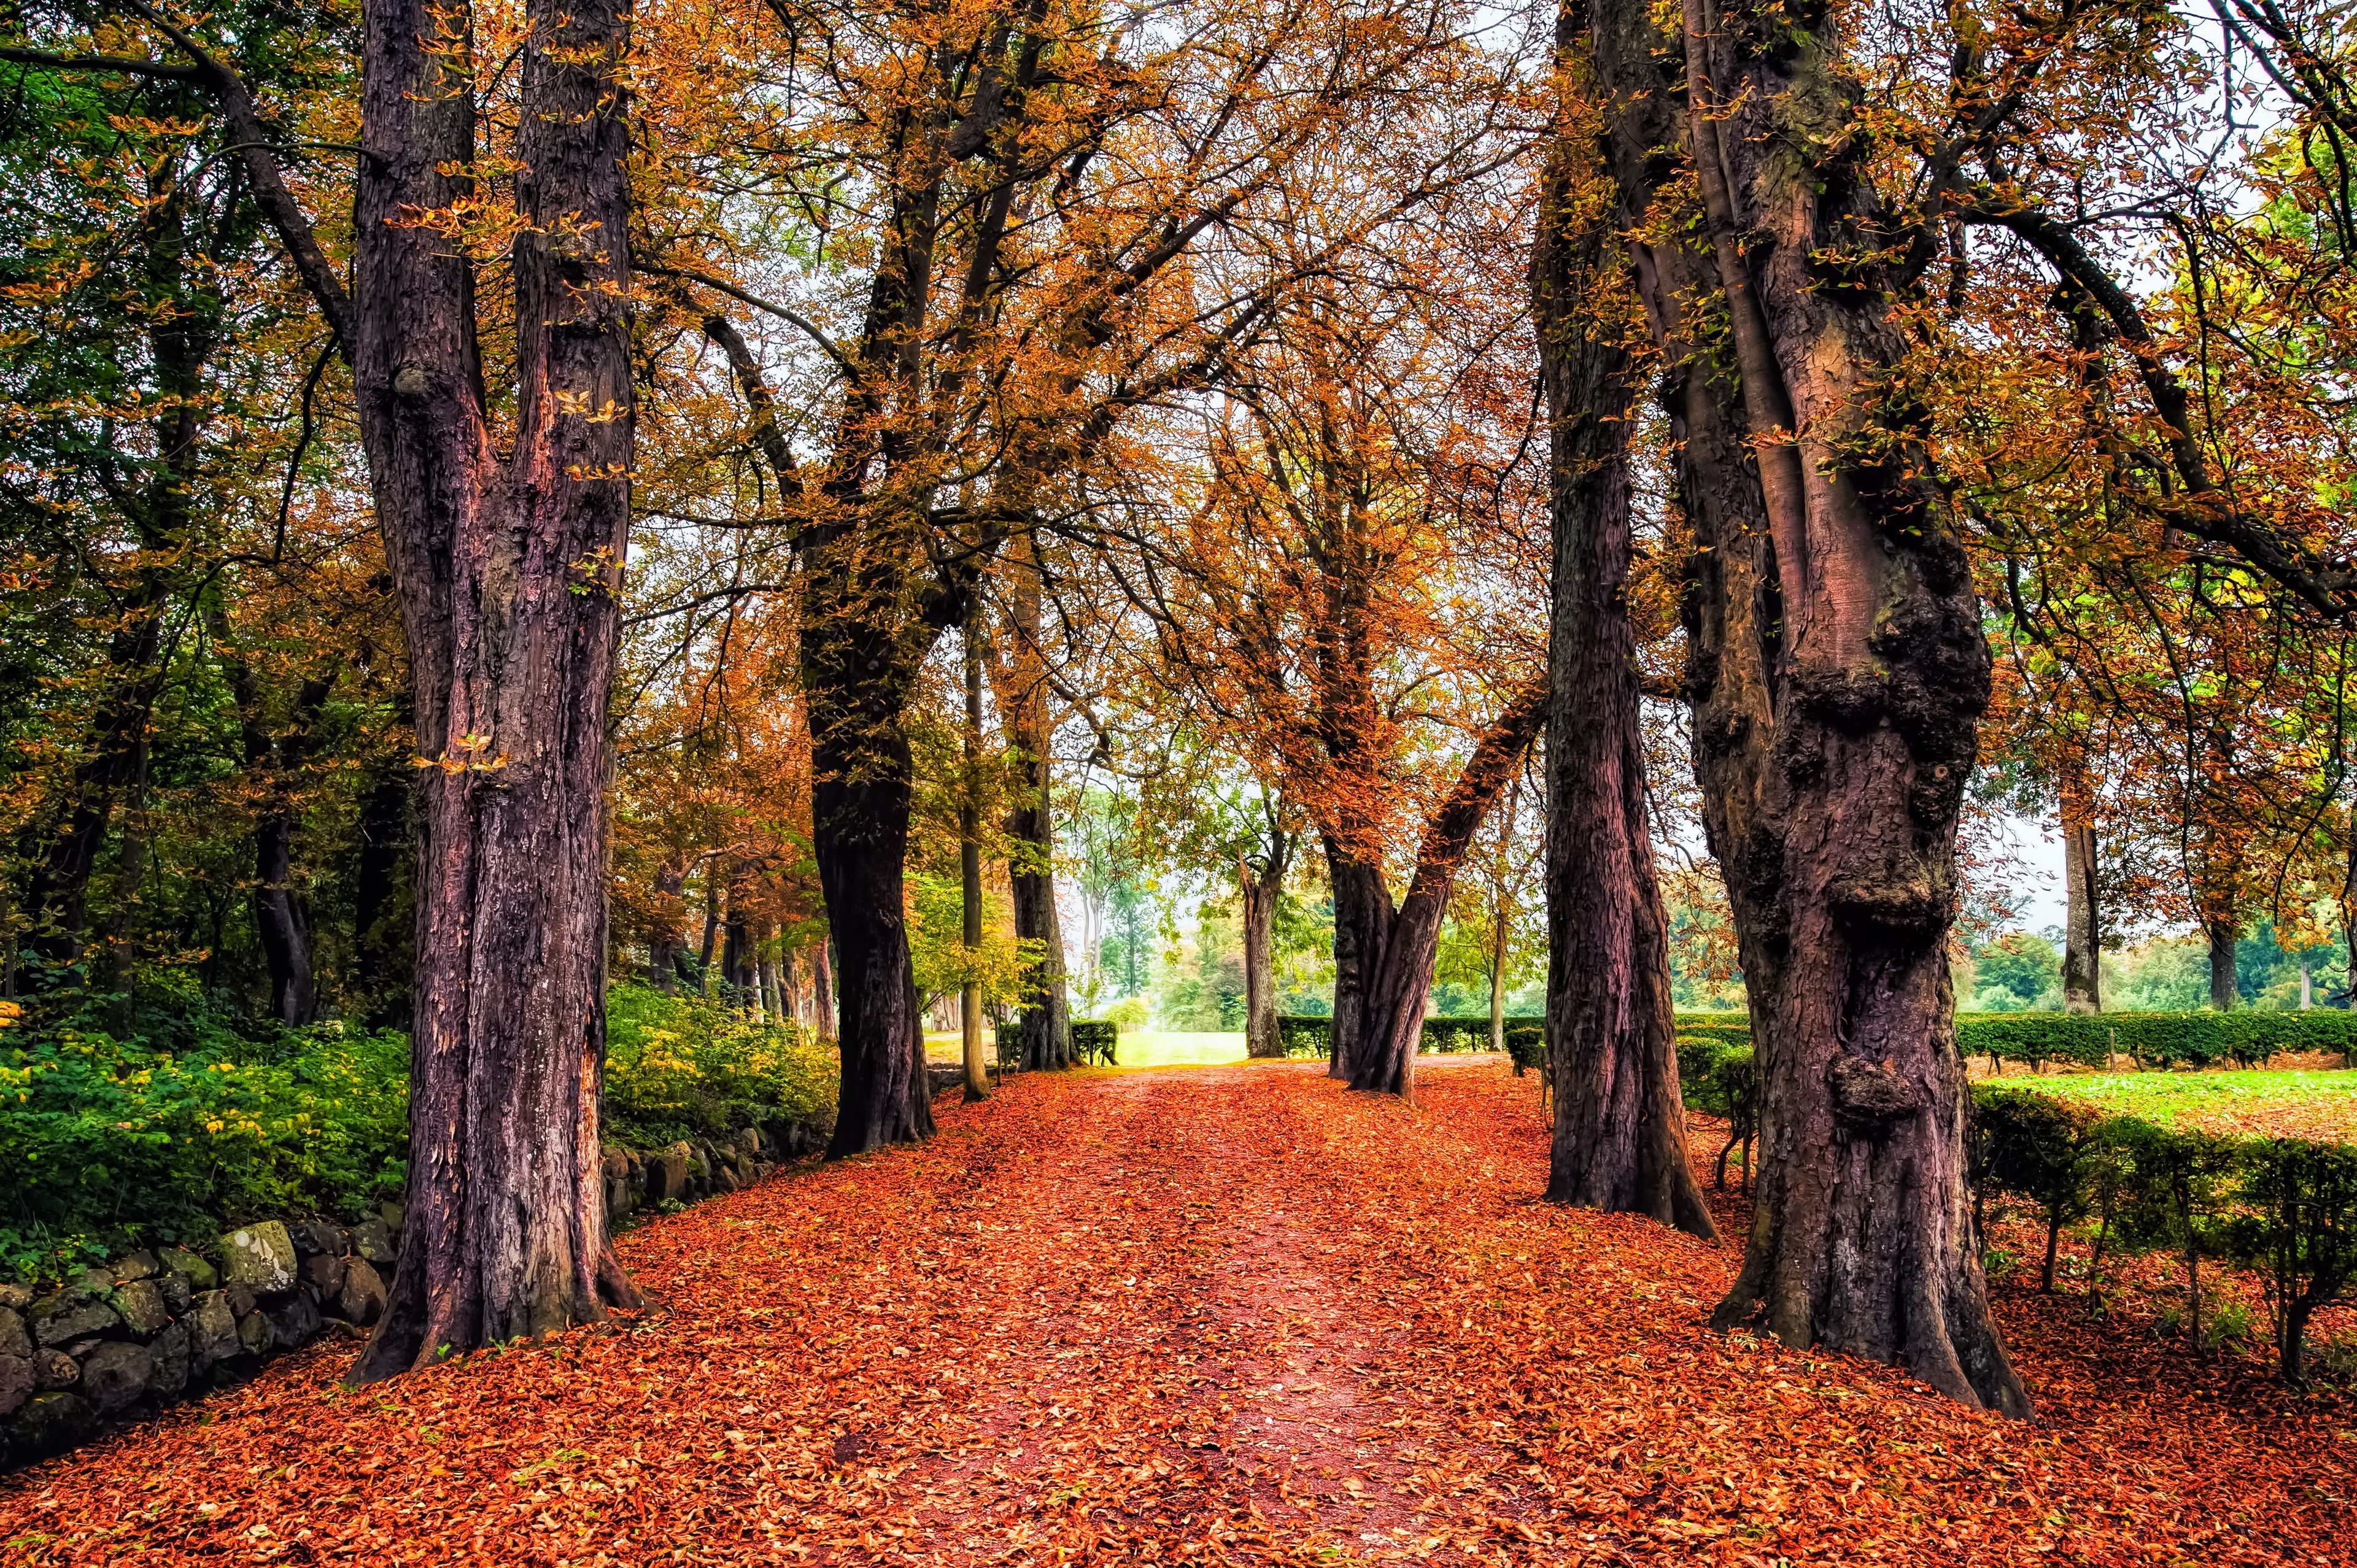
(1229, 1314)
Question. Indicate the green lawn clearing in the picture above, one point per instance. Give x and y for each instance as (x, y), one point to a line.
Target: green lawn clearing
(2271, 1105)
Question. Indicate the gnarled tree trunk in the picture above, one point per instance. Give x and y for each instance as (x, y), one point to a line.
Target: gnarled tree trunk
(1619, 1141)
(1837, 673)
(859, 817)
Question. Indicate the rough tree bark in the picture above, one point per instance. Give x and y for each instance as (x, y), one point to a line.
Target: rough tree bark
(1382, 950)
(506, 571)
(1045, 1020)
(1619, 1141)
(860, 795)
(1837, 675)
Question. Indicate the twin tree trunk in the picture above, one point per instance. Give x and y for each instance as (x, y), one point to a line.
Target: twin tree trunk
(1382, 950)
(1837, 675)
(1620, 1139)
(506, 573)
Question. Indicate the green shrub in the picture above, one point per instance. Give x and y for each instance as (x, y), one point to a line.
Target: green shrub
(106, 1145)
(2284, 1206)
(1727, 1028)
(1527, 1046)
(2043, 1148)
(2296, 1222)
(1095, 1041)
(1718, 1080)
(686, 1067)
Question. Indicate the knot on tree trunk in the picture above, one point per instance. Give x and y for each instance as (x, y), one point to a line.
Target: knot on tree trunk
(1891, 900)
(1870, 1096)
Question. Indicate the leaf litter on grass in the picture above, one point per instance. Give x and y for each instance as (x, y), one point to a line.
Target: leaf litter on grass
(1231, 1315)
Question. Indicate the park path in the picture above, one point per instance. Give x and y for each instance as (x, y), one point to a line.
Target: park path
(1209, 1316)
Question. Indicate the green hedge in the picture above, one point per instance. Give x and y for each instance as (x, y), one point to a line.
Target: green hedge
(1092, 1040)
(2154, 1039)
(2285, 1207)
(2092, 1040)
(1312, 1035)
(106, 1145)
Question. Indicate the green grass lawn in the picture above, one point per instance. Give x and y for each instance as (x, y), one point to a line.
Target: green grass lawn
(2285, 1104)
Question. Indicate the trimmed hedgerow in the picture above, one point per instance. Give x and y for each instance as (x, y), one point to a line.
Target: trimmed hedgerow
(2284, 1206)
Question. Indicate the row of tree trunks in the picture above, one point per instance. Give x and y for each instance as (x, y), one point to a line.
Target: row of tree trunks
(1619, 1141)
(1837, 675)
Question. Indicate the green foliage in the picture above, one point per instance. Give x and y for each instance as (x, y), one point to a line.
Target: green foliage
(1095, 1041)
(2017, 971)
(2297, 1224)
(105, 1146)
(683, 1066)
(2285, 1207)
(1527, 1046)
(2048, 1150)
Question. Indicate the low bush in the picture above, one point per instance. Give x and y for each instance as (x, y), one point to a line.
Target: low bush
(1718, 1080)
(2092, 1040)
(106, 1145)
(686, 1067)
(2286, 1208)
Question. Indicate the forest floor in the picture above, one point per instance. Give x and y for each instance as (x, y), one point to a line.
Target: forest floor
(1217, 1315)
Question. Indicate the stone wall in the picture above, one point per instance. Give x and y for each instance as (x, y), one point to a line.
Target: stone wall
(116, 1344)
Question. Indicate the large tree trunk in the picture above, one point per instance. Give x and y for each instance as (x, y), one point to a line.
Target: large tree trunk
(1383, 952)
(2226, 986)
(1044, 1021)
(1837, 673)
(1619, 1141)
(859, 817)
(2082, 932)
(738, 977)
(507, 573)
